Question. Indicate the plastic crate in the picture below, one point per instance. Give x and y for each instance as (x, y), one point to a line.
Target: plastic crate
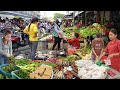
(5, 73)
(14, 76)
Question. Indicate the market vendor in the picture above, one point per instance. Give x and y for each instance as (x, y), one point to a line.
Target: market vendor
(97, 47)
(113, 50)
(74, 44)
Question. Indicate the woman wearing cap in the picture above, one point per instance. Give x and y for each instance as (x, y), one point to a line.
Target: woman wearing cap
(97, 47)
(32, 31)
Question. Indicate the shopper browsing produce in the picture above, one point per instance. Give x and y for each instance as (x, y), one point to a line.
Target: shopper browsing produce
(32, 31)
(57, 35)
(6, 43)
(113, 50)
(97, 47)
(6, 47)
(74, 44)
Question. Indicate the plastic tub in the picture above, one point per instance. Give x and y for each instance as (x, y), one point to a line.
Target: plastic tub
(14, 76)
(5, 73)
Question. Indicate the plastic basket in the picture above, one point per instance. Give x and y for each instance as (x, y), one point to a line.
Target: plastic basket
(2, 74)
(5, 73)
(14, 76)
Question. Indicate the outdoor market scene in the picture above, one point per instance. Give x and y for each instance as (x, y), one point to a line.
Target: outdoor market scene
(59, 45)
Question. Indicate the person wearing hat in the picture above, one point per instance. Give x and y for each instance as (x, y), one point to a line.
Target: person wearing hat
(97, 47)
(32, 31)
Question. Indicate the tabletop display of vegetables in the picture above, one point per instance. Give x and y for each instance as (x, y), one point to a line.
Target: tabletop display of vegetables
(24, 74)
(30, 67)
(22, 62)
(69, 60)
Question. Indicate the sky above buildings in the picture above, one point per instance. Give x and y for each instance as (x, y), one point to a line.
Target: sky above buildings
(50, 13)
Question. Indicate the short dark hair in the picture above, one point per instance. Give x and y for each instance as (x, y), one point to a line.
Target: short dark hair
(98, 35)
(114, 31)
(35, 19)
(7, 32)
(77, 35)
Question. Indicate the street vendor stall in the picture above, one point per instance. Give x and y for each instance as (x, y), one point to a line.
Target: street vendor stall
(70, 67)
(53, 64)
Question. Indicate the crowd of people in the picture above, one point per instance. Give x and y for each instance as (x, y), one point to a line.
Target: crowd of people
(9, 27)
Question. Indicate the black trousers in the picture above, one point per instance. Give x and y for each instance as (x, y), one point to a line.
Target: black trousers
(57, 40)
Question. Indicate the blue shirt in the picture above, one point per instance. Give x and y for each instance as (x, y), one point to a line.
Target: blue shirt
(56, 30)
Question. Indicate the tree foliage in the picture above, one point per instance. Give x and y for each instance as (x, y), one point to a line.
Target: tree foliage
(58, 15)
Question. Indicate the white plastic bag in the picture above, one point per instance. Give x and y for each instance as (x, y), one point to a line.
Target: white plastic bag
(107, 62)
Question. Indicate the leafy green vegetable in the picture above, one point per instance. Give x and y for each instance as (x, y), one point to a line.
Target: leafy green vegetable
(24, 74)
(22, 62)
(2, 76)
(9, 68)
(11, 60)
(71, 58)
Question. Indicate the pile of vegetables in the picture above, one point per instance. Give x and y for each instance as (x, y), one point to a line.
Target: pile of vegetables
(44, 62)
(24, 74)
(11, 59)
(84, 53)
(69, 60)
(88, 31)
(30, 67)
(9, 68)
(22, 62)
(72, 58)
(92, 30)
(2, 76)
(69, 32)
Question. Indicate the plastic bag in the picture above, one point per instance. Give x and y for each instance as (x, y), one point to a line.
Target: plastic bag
(107, 62)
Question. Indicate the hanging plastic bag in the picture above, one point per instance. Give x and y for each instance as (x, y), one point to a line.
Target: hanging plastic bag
(107, 62)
